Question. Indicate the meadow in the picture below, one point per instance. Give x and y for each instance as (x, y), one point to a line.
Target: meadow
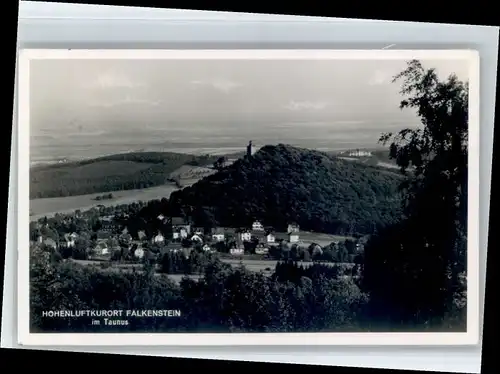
(68, 204)
(307, 238)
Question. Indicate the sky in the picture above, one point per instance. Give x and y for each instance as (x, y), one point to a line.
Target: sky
(71, 99)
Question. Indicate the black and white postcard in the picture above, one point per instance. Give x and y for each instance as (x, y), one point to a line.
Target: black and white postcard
(248, 197)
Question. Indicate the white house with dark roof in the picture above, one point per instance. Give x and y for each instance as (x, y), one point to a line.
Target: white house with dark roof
(107, 223)
(270, 238)
(245, 235)
(101, 248)
(293, 237)
(70, 240)
(180, 233)
(257, 226)
(139, 252)
(261, 249)
(197, 238)
(237, 251)
(218, 235)
(198, 231)
(158, 238)
(174, 247)
(179, 223)
(141, 235)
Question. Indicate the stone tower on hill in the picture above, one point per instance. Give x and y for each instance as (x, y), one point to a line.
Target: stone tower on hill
(250, 149)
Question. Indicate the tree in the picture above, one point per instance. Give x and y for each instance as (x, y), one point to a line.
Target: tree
(413, 268)
(350, 246)
(220, 162)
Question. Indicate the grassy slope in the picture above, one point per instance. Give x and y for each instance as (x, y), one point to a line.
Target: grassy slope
(109, 173)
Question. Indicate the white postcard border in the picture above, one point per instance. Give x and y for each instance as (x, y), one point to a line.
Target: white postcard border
(471, 337)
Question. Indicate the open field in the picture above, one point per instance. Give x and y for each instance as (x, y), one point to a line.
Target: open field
(187, 175)
(190, 172)
(50, 206)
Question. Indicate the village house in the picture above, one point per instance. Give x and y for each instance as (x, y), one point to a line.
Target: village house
(174, 247)
(180, 233)
(101, 235)
(101, 248)
(49, 242)
(198, 231)
(359, 153)
(141, 235)
(292, 227)
(270, 238)
(237, 248)
(107, 224)
(197, 238)
(218, 235)
(179, 224)
(139, 252)
(70, 240)
(293, 237)
(159, 238)
(236, 251)
(245, 235)
(113, 244)
(257, 226)
(264, 237)
(280, 237)
(261, 249)
(125, 237)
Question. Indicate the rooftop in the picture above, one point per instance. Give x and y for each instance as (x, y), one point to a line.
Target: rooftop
(179, 221)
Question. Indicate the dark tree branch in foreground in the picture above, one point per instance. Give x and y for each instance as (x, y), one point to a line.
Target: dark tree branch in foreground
(413, 270)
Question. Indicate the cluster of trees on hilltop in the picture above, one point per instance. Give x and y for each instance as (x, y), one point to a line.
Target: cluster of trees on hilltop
(282, 184)
(118, 172)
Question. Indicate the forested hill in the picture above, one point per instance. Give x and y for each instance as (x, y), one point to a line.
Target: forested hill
(281, 184)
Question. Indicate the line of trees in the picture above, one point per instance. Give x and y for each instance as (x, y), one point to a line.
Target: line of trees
(415, 270)
(226, 299)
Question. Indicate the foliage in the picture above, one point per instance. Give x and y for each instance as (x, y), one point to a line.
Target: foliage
(411, 269)
(280, 184)
(178, 263)
(225, 299)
